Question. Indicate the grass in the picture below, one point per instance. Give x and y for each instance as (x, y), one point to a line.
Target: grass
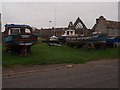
(44, 54)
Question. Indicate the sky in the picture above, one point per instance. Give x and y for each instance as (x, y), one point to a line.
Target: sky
(38, 14)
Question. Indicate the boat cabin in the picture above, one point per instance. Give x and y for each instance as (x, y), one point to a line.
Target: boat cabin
(19, 38)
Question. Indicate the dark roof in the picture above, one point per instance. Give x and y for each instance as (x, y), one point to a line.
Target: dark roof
(16, 26)
(112, 24)
(53, 29)
(93, 28)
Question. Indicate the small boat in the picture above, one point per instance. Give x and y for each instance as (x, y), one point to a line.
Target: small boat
(19, 38)
(53, 39)
(113, 41)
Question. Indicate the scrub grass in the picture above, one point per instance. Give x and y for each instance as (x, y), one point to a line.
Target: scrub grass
(44, 54)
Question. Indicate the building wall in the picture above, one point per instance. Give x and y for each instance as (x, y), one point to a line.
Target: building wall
(103, 28)
(0, 29)
(50, 32)
(0, 22)
(114, 32)
(109, 31)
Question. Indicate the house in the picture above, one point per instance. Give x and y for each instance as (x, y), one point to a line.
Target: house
(78, 28)
(111, 28)
(48, 32)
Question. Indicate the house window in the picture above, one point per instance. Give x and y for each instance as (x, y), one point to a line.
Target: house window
(67, 32)
(79, 25)
(71, 32)
(14, 31)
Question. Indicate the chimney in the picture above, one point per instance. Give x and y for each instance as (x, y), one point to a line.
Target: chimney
(97, 20)
(101, 18)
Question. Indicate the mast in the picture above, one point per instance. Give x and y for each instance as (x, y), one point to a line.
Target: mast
(49, 23)
(49, 20)
(55, 23)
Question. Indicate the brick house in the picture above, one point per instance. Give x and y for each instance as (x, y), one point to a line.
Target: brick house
(111, 28)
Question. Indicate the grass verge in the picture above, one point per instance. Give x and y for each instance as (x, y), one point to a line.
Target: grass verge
(44, 54)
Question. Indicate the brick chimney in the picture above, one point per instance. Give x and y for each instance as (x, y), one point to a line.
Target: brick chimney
(101, 18)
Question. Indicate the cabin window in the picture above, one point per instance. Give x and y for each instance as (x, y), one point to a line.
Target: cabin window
(14, 31)
(22, 30)
(27, 30)
(9, 32)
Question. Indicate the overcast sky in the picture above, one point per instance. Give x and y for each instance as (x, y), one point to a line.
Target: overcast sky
(38, 14)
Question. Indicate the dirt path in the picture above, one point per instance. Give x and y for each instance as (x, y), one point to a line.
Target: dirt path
(94, 74)
(35, 68)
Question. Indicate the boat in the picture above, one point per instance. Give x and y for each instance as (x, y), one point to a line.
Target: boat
(80, 41)
(19, 38)
(53, 39)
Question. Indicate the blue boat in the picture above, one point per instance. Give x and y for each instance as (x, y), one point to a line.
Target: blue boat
(111, 41)
(19, 38)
